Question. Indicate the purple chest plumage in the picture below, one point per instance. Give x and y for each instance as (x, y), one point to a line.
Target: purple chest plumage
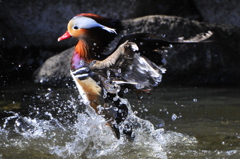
(77, 62)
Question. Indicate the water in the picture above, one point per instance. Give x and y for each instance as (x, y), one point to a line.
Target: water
(174, 122)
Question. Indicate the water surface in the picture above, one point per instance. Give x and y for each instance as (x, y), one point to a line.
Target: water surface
(173, 122)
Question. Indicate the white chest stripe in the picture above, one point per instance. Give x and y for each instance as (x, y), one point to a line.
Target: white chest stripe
(80, 89)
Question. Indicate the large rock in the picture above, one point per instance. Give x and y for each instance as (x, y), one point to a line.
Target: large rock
(56, 69)
(219, 11)
(214, 62)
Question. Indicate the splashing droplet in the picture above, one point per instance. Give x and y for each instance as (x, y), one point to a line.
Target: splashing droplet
(174, 117)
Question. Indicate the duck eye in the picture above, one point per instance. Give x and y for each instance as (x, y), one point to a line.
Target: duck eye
(75, 27)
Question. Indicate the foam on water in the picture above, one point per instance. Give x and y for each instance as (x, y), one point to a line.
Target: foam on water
(87, 137)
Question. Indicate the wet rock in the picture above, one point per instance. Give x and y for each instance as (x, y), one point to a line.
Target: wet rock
(56, 69)
(214, 62)
(219, 11)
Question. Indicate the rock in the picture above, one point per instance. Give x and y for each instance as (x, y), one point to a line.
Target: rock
(219, 11)
(56, 69)
(214, 62)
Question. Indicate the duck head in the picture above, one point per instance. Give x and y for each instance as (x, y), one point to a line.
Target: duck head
(80, 25)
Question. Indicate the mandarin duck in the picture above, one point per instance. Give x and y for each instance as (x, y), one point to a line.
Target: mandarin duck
(136, 64)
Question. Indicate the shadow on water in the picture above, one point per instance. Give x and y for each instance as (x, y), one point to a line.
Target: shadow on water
(174, 122)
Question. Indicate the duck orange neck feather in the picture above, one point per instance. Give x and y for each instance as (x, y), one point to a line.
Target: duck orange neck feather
(81, 55)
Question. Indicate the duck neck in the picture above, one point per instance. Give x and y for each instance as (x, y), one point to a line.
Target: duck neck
(81, 55)
(90, 47)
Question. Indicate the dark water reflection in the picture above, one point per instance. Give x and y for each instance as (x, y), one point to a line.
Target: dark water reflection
(199, 122)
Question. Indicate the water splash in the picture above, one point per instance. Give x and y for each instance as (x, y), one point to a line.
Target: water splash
(87, 137)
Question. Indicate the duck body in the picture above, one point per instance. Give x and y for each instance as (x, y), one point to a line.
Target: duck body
(136, 63)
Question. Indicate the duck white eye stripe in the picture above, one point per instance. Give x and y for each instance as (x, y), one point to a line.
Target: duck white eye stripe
(87, 23)
(110, 30)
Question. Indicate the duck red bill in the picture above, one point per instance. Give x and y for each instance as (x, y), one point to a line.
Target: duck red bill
(64, 36)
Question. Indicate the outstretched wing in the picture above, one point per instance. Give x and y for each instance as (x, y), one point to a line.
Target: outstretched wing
(126, 67)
